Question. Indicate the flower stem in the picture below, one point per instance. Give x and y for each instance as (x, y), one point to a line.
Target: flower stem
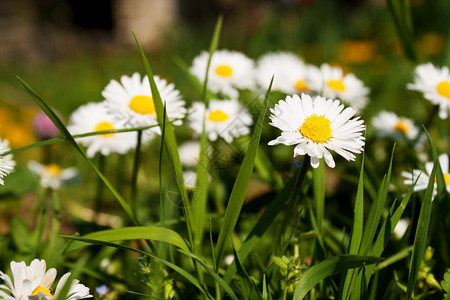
(99, 192)
(136, 162)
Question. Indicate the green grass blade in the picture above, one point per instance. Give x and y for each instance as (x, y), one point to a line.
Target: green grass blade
(265, 295)
(55, 119)
(194, 281)
(420, 239)
(240, 186)
(375, 211)
(135, 233)
(441, 186)
(328, 267)
(319, 195)
(169, 141)
(357, 231)
(201, 185)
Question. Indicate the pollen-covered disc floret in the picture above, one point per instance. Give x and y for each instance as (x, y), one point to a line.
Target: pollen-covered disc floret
(226, 118)
(132, 101)
(289, 71)
(6, 162)
(389, 124)
(423, 177)
(94, 117)
(34, 282)
(434, 83)
(229, 71)
(316, 126)
(331, 82)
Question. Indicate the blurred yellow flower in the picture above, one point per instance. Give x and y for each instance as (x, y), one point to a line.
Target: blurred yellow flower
(356, 52)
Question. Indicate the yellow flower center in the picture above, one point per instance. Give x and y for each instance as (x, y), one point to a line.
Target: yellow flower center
(142, 105)
(337, 85)
(316, 128)
(51, 170)
(301, 85)
(217, 116)
(446, 179)
(443, 88)
(224, 71)
(105, 126)
(42, 290)
(402, 127)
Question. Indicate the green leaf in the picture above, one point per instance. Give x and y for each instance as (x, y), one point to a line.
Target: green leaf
(446, 285)
(134, 233)
(328, 267)
(420, 240)
(240, 186)
(55, 119)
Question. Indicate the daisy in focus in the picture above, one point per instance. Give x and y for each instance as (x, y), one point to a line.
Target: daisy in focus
(132, 101)
(331, 82)
(35, 282)
(316, 126)
(424, 176)
(227, 119)
(434, 83)
(228, 71)
(290, 73)
(94, 117)
(51, 175)
(389, 124)
(6, 162)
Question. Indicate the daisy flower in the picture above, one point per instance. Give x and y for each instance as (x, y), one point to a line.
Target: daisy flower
(6, 162)
(228, 71)
(51, 175)
(227, 119)
(316, 126)
(331, 82)
(33, 282)
(132, 100)
(423, 177)
(189, 154)
(290, 73)
(434, 83)
(96, 117)
(389, 124)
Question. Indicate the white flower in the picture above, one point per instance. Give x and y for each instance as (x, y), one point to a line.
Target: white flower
(189, 154)
(316, 126)
(96, 117)
(389, 124)
(331, 82)
(51, 175)
(227, 119)
(290, 73)
(423, 177)
(190, 178)
(228, 71)
(132, 100)
(33, 282)
(6, 162)
(434, 83)
(401, 227)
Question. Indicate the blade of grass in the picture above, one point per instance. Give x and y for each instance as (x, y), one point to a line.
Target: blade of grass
(55, 119)
(328, 267)
(134, 233)
(201, 191)
(240, 186)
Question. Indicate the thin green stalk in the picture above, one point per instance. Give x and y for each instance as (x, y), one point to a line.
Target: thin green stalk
(161, 202)
(99, 192)
(136, 163)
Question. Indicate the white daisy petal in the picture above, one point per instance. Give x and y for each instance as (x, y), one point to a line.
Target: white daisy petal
(6, 162)
(316, 126)
(389, 124)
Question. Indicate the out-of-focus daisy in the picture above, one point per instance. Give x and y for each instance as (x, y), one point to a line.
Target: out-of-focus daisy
(331, 82)
(189, 153)
(228, 71)
(424, 176)
(51, 175)
(132, 100)
(96, 117)
(6, 162)
(34, 282)
(401, 227)
(316, 126)
(227, 119)
(434, 83)
(290, 73)
(389, 124)
(189, 177)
